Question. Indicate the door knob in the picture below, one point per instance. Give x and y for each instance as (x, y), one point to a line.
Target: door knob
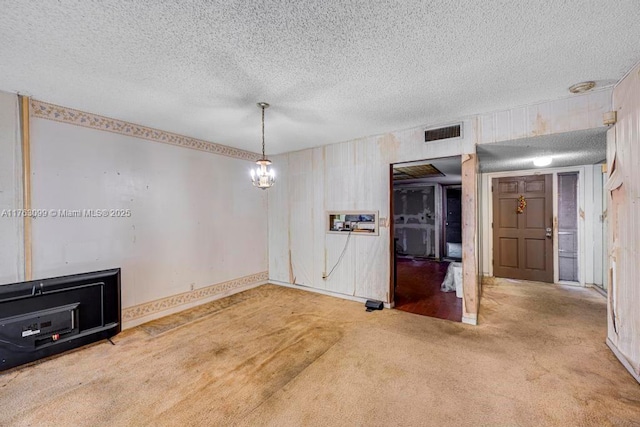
(549, 232)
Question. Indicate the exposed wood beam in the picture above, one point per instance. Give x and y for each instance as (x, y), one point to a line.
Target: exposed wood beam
(470, 287)
(26, 184)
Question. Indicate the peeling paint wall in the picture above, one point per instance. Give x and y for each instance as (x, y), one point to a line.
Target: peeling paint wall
(576, 112)
(353, 175)
(623, 188)
(415, 220)
(11, 249)
(471, 287)
(195, 220)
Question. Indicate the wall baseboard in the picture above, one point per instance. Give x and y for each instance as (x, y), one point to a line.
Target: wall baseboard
(142, 313)
(470, 320)
(323, 292)
(598, 289)
(623, 360)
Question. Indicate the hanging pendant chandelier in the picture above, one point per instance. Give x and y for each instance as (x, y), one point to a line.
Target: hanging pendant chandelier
(263, 176)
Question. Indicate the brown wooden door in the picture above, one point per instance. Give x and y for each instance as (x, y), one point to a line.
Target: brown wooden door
(522, 242)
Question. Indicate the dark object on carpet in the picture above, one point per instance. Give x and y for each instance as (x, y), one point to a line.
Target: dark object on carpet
(373, 305)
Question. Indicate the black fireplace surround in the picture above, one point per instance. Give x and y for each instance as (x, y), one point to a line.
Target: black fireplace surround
(41, 318)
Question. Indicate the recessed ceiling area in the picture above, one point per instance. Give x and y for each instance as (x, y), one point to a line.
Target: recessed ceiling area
(415, 172)
(331, 70)
(583, 147)
(446, 171)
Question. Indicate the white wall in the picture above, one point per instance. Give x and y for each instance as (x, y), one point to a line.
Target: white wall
(352, 175)
(576, 112)
(623, 187)
(11, 249)
(195, 218)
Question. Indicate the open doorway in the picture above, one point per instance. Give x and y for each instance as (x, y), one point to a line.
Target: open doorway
(427, 236)
(544, 222)
(452, 236)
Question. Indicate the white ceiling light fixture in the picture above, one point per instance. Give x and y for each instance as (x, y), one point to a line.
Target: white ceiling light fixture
(542, 161)
(582, 87)
(263, 176)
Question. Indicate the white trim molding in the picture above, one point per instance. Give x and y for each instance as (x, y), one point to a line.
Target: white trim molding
(323, 292)
(623, 360)
(470, 320)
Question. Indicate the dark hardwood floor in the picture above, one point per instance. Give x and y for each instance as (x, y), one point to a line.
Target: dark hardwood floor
(418, 290)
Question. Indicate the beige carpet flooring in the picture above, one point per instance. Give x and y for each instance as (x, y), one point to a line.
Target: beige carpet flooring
(286, 357)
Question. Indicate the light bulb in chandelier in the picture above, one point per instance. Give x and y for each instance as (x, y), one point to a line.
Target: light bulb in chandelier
(263, 176)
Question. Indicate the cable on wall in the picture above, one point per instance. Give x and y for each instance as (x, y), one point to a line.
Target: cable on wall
(326, 276)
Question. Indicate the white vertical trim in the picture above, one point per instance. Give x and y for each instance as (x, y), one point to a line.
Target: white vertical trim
(555, 225)
(19, 191)
(596, 218)
(486, 218)
(582, 220)
(586, 187)
(605, 233)
(439, 218)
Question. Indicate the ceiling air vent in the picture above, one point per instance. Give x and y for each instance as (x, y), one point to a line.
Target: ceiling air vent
(442, 133)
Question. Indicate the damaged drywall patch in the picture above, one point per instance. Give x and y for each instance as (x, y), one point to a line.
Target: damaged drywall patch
(414, 220)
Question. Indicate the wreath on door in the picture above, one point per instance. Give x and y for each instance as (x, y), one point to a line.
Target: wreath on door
(522, 203)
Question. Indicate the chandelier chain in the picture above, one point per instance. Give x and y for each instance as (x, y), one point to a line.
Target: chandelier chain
(263, 176)
(263, 155)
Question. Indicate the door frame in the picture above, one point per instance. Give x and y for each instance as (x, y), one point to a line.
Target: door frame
(439, 194)
(487, 214)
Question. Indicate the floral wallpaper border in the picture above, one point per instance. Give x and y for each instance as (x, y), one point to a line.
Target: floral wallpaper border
(57, 113)
(162, 304)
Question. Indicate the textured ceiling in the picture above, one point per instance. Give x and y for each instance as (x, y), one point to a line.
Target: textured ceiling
(584, 147)
(333, 70)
